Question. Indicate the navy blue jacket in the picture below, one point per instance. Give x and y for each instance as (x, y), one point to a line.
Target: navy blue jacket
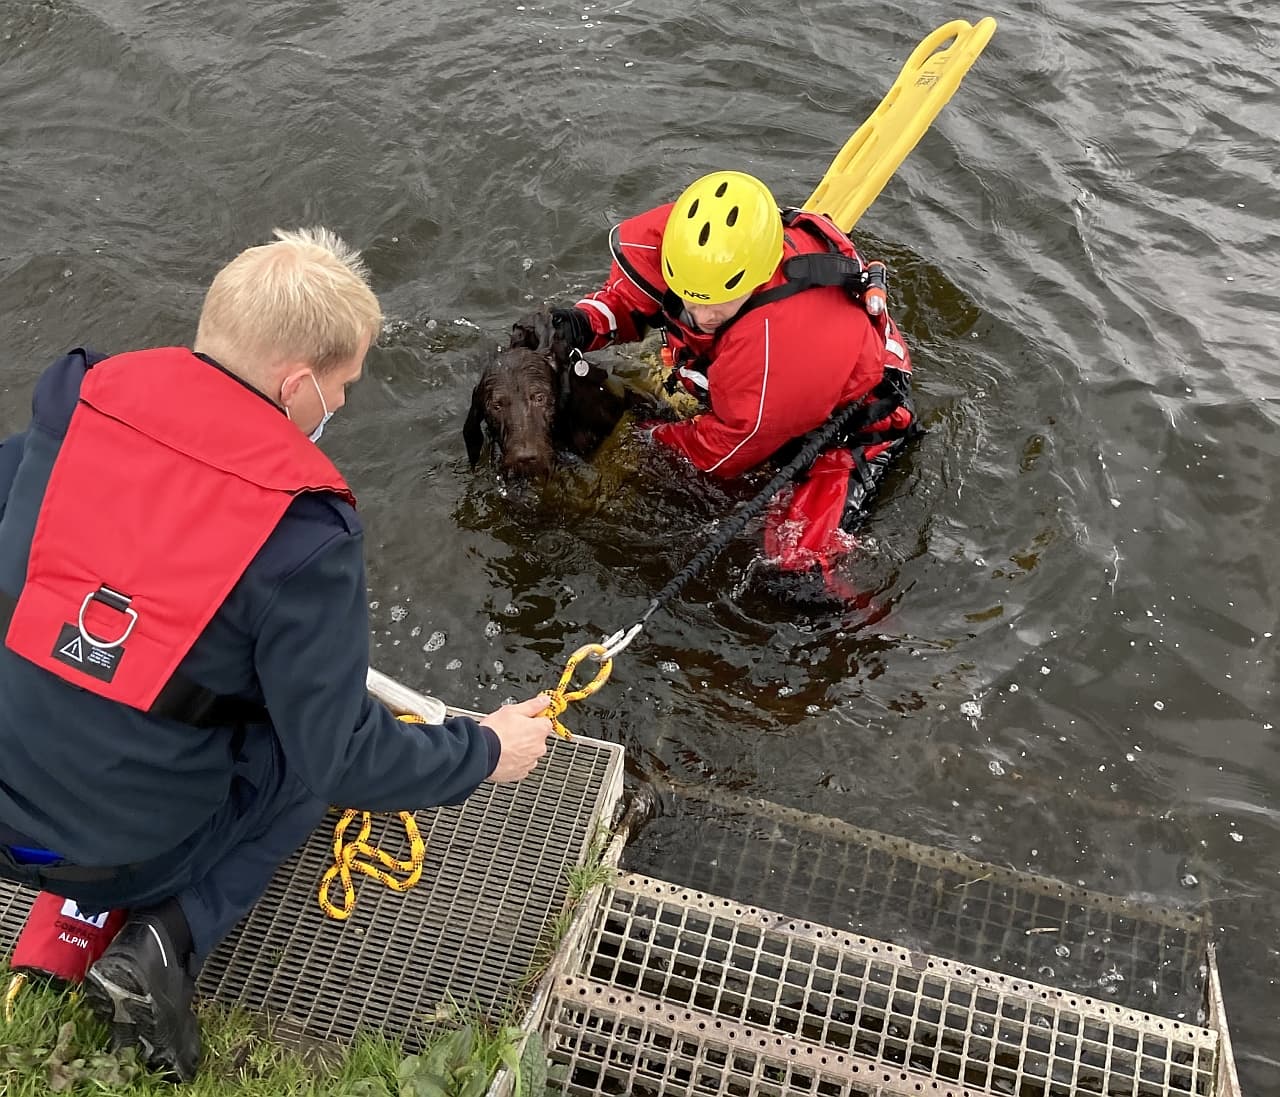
(104, 784)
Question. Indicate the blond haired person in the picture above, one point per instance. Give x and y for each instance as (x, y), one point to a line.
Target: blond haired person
(182, 684)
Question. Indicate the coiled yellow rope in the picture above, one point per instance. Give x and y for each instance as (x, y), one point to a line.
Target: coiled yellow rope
(377, 863)
(381, 865)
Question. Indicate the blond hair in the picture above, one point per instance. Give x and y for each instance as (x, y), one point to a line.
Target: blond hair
(305, 297)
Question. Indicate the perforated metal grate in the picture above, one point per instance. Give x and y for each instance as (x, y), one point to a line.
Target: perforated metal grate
(915, 1020)
(495, 874)
(14, 904)
(606, 1041)
(1147, 956)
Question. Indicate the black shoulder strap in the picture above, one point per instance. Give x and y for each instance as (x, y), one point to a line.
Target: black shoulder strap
(823, 268)
(808, 271)
(802, 272)
(180, 698)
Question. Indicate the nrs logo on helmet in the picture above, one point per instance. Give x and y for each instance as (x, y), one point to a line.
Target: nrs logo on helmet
(722, 239)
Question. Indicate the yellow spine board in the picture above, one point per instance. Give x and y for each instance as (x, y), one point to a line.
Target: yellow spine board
(925, 84)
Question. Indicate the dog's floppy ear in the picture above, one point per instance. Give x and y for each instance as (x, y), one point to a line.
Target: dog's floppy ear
(534, 332)
(523, 334)
(473, 428)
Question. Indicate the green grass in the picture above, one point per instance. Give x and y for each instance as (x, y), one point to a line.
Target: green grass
(53, 1044)
(592, 873)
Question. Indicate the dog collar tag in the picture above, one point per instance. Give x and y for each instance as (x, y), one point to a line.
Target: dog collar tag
(580, 367)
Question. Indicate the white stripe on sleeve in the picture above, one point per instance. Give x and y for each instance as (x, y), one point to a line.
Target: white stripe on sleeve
(603, 309)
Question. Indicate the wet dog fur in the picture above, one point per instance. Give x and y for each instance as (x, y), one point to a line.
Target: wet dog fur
(535, 399)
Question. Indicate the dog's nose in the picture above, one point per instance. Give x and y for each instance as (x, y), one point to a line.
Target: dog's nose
(527, 463)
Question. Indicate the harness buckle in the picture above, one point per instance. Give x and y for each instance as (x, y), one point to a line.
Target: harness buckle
(112, 599)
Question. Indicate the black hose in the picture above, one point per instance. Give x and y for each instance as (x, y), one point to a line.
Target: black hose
(817, 442)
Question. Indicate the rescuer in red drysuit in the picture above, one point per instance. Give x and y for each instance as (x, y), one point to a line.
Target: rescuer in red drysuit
(774, 322)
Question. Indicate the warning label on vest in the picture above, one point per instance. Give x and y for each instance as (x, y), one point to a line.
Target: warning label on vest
(73, 650)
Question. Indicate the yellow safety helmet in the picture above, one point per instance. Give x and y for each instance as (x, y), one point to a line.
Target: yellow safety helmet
(723, 238)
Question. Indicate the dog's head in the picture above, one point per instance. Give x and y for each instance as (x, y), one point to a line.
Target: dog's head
(537, 397)
(516, 401)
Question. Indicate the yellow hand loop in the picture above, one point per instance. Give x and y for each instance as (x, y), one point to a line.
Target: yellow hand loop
(345, 854)
(560, 698)
(928, 79)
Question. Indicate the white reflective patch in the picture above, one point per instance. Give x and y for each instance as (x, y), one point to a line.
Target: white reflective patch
(164, 956)
(71, 909)
(601, 308)
(894, 347)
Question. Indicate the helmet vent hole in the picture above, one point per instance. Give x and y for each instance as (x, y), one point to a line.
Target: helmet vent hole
(722, 188)
(734, 280)
(732, 219)
(693, 209)
(704, 235)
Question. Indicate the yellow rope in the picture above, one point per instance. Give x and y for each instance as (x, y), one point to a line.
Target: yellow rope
(11, 995)
(345, 854)
(381, 865)
(560, 698)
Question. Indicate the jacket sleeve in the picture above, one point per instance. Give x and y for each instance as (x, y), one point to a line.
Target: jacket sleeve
(748, 417)
(616, 311)
(10, 457)
(312, 660)
(620, 308)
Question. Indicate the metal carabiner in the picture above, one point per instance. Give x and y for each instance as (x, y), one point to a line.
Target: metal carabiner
(617, 642)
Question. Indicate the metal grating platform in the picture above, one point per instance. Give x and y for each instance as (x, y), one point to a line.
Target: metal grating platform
(1149, 957)
(607, 1042)
(681, 992)
(495, 874)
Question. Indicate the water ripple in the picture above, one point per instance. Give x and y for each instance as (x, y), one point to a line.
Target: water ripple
(1082, 248)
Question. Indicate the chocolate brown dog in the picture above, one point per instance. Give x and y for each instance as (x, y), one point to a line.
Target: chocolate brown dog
(535, 399)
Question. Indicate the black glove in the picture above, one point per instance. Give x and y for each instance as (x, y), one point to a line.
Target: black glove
(562, 331)
(573, 327)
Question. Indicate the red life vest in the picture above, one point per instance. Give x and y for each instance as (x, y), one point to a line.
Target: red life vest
(171, 477)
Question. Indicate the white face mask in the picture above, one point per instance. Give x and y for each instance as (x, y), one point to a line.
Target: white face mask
(314, 436)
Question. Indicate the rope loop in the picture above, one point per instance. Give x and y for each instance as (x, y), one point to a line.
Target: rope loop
(376, 862)
(561, 696)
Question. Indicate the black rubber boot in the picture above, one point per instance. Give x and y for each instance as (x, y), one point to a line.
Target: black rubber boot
(141, 987)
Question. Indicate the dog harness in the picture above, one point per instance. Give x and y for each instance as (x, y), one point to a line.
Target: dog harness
(154, 509)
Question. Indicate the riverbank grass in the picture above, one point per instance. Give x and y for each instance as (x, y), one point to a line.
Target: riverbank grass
(53, 1044)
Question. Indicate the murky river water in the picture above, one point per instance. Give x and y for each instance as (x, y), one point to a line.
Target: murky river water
(1067, 656)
